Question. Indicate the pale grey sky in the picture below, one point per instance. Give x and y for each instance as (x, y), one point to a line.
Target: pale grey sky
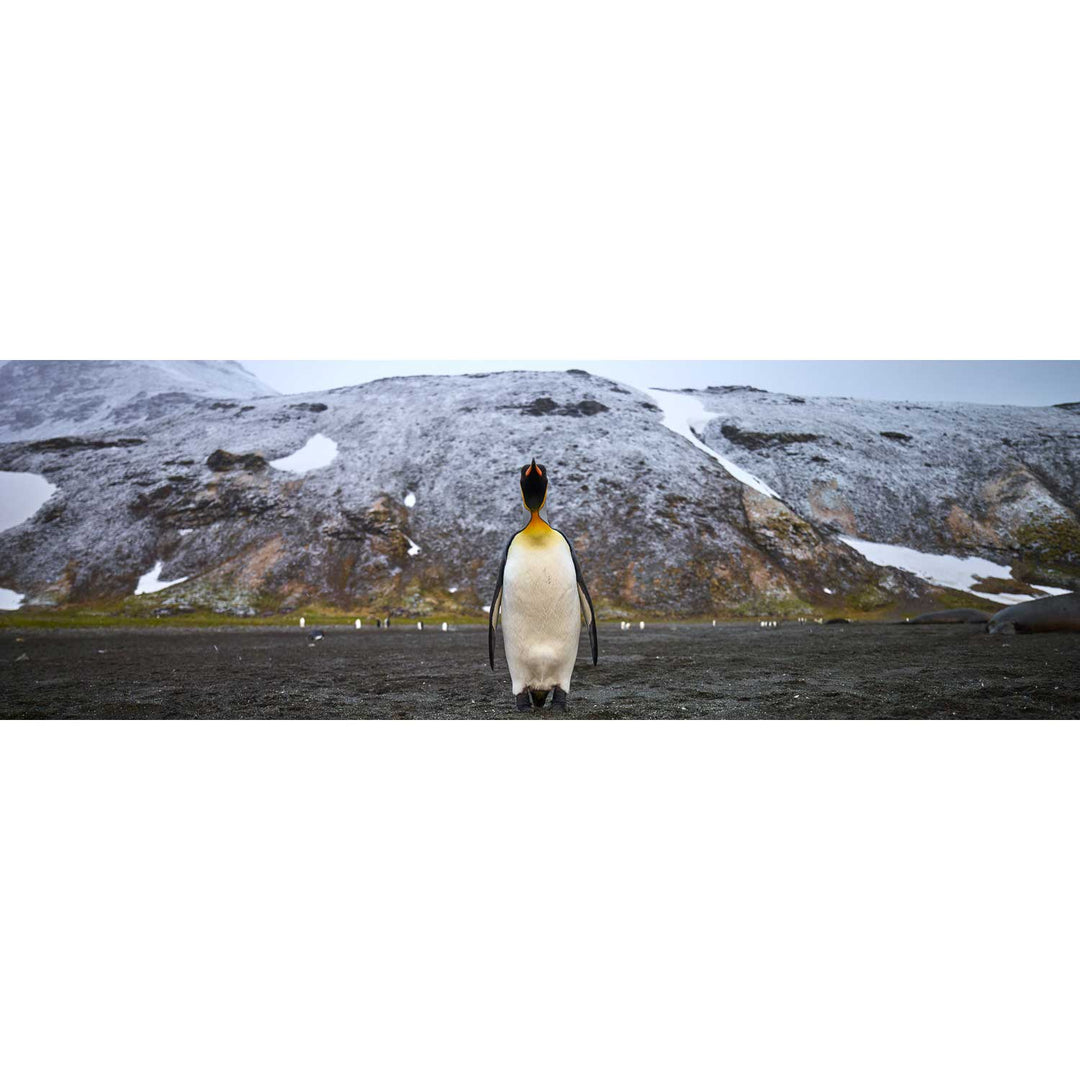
(1000, 382)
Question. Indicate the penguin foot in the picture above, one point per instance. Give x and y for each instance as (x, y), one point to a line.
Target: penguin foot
(558, 699)
(524, 704)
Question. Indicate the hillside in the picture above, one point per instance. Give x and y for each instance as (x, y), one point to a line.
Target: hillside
(42, 398)
(1000, 482)
(412, 497)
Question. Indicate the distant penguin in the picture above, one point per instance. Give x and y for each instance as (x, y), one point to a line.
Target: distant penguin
(541, 598)
(359, 623)
(315, 635)
(386, 625)
(301, 622)
(378, 624)
(420, 624)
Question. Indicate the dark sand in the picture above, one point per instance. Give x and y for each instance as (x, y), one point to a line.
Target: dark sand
(687, 672)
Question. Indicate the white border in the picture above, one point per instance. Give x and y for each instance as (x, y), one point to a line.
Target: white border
(591, 181)
(538, 900)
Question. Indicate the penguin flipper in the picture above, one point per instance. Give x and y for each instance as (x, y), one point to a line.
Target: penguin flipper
(496, 607)
(589, 615)
(493, 621)
(587, 611)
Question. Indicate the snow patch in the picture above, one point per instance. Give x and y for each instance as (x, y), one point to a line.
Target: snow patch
(1008, 599)
(22, 495)
(413, 548)
(682, 413)
(949, 571)
(829, 591)
(316, 453)
(410, 499)
(453, 588)
(1049, 590)
(184, 532)
(9, 600)
(151, 583)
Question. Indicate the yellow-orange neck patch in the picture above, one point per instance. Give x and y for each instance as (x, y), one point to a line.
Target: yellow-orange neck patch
(537, 524)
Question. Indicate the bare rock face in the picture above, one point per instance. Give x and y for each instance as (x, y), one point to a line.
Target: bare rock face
(998, 481)
(412, 514)
(223, 461)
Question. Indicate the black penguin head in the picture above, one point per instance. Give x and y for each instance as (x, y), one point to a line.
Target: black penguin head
(533, 485)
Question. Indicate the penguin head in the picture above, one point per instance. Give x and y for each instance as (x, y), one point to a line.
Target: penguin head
(533, 485)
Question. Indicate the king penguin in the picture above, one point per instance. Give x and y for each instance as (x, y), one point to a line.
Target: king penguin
(541, 598)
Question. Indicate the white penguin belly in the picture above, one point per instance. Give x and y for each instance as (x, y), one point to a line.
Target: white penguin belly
(541, 617)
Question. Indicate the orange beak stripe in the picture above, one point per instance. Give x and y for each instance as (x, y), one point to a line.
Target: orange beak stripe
(528, 470)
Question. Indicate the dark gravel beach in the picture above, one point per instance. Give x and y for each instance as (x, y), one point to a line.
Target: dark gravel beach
(798, 671)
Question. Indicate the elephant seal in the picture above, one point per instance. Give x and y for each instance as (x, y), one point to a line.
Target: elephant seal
(953, 615)
(1038, 616)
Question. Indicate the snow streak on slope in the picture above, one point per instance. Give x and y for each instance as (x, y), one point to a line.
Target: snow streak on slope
(22, 495)
(682, 413)
(316, 453)
(151, 583)
(949, 571)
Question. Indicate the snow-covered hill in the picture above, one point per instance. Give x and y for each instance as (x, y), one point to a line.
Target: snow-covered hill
(1000, 482)
(41, 398)
(401, 494)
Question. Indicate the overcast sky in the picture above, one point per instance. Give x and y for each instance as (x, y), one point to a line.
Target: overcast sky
(1004, 382)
